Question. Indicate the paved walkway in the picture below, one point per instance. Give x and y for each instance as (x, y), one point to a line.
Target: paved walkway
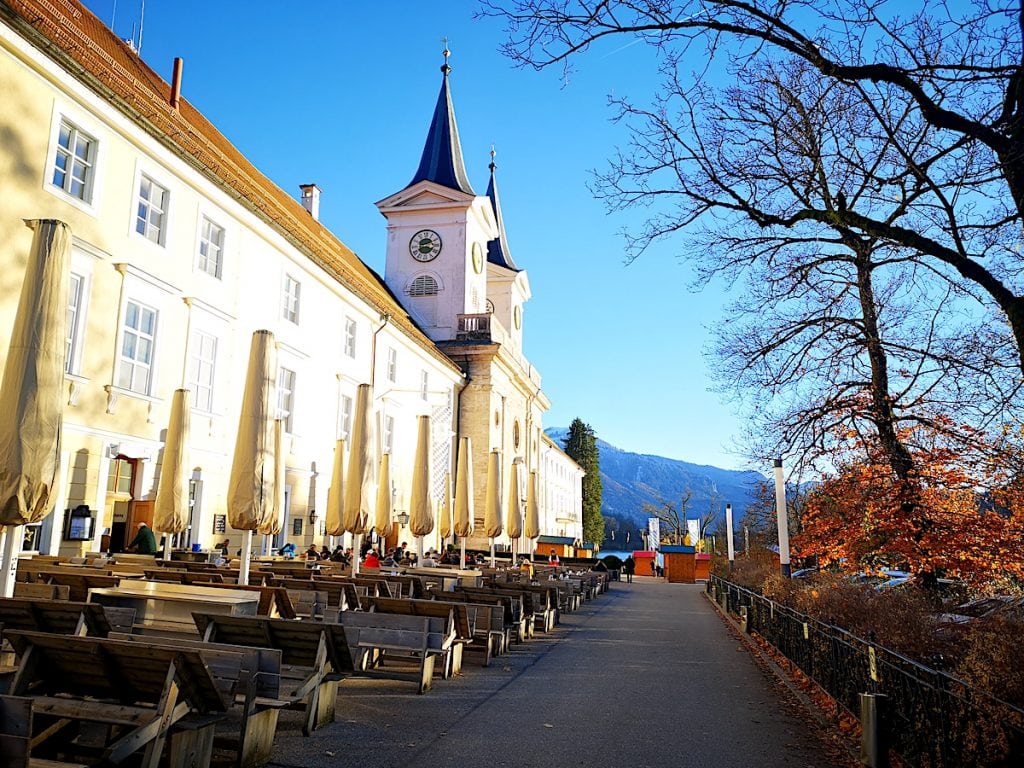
(646, 676)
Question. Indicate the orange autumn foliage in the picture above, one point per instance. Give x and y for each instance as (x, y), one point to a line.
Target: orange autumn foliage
(954, 518)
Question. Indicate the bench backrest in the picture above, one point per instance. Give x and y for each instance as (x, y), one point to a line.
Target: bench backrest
(298, 641)
(57, 616)
(393, 630)
(118, 670)
(33, 591)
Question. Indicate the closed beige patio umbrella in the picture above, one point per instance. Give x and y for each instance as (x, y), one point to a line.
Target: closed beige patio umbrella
(444, 525)
(336, 492)
(385, 502)
(531, 526)
(31, 395)
(514, 513)
(492, 499)
(251, 499)
(170, 511)
(421, 511)
(271, 524)
(357, 509)
(464, 513)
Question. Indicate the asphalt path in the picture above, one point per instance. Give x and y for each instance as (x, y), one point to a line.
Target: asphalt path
(646, 676)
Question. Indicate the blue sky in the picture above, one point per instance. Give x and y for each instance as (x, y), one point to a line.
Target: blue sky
(341, 95)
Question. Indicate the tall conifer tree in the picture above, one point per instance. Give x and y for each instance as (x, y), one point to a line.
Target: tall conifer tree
(581, 447)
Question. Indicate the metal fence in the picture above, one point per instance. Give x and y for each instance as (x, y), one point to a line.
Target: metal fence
(932, 719)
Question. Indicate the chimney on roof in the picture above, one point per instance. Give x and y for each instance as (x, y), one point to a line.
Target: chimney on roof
(311, 199)
(176, 83)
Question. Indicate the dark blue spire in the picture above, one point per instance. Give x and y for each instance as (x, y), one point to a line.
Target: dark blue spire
(497, 249)
(442, 154)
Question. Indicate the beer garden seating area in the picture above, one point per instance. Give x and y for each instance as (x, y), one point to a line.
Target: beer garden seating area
(149, 661)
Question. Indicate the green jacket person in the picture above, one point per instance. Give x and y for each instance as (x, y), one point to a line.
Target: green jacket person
(144, 542)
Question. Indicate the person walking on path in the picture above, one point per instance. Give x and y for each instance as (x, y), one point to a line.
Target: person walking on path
(628, 567)
(144, 542)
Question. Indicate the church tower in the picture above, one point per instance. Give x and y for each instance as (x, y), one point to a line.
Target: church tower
(438, 231)
(449, 263)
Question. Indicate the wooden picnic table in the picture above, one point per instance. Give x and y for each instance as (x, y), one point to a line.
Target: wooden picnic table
(143, 698)
(163, 608)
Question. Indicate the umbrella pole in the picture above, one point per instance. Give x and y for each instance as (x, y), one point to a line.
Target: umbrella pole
(12, 537)
(357, 544)
(463, 560)
(492, 553)
(167, 546)
(243, 568)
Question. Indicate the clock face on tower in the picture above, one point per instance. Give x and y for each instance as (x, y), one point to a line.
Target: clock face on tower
(425, 245)
(478, 258)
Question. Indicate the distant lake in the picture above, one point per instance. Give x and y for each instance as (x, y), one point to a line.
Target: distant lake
(622, 555)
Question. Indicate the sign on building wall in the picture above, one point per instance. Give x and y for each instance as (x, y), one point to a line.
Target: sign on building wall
(653, 532)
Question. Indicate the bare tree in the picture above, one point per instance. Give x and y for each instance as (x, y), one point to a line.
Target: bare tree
(834, 334)
(956, 68)
(672, 517)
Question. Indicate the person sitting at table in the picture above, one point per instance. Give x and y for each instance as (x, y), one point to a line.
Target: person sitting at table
(144, 542)
(372, 560)
(339, 555)
(526, 568)
(288, 550)
(312, 553)
(429, 559)
(325, 553)
(553, 557)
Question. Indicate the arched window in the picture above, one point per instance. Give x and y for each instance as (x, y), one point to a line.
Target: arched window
(424, 285)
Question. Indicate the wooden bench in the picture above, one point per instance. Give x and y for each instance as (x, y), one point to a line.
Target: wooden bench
(503, 619)
(142, 699)
(78, 581)
(379, 640)
(340, 594)
(521, 619)
(314, 657)
(254, 680)
(488, 627)
(458, 624)
(36, 591)
(62, 617)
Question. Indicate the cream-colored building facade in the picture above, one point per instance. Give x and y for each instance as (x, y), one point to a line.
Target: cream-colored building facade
(181, 250)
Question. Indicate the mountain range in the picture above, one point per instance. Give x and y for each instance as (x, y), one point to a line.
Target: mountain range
(630, 480)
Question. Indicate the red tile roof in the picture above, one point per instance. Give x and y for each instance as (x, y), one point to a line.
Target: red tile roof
(70, 34)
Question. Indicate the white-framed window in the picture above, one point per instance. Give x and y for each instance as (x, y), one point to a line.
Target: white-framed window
(350, 337)
(286, 397)
(74, 162)
(138, 343)
(202, 368)
(211, 247)
(290, 299)
(424, 383)
(392, 364)
(424, 285)
(76, 298)
(389, 433)
(151, 213)
(344, 417)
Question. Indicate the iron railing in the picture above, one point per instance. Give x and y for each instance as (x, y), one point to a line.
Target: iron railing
(934, 720)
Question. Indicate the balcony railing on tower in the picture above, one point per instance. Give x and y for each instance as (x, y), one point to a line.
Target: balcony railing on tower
(475, 327)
